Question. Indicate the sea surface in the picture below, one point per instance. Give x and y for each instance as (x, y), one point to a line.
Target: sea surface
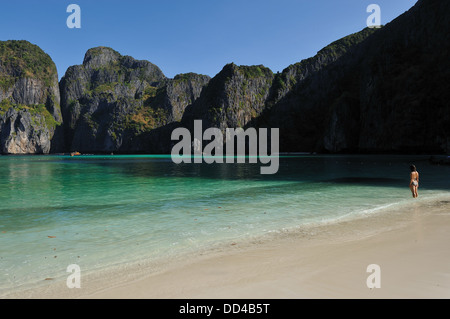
(103, 211)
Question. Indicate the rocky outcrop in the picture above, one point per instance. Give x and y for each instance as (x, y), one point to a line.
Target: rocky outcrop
(233, 98)
(296, 103)
(387, 91)
(30, 114)
(243, 96)
(404, 85)
(22, 132)
(181, 92)
(102, 100)
(296, 73)
(111, 101)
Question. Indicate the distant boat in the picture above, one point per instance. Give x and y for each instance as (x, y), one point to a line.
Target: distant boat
(75, 154)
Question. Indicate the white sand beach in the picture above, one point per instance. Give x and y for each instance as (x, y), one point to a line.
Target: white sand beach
(330, 261)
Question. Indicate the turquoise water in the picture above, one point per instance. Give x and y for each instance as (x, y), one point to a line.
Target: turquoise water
(109, 210)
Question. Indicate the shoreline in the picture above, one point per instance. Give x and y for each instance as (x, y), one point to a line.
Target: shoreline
(322, 261)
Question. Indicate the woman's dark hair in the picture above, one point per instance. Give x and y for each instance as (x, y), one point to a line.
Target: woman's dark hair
(413, 168)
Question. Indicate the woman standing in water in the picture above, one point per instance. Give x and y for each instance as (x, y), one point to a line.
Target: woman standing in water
(414, 183)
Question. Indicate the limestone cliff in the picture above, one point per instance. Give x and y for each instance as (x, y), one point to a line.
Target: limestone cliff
(233, 98)
(378, 90)
(30, 112)
(111, 100)
(388, 93)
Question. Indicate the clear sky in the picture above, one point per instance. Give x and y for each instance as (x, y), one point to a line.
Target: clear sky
(198, 36)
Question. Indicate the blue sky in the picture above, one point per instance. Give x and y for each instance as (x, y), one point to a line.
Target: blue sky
(198, 36)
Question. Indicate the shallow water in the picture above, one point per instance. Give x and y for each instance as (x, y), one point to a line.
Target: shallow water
(99, 211)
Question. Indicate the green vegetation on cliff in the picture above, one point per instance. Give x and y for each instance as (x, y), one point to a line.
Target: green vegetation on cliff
(185, 77)
(149, 115)
(6, 82)
(255, 71)
(337, 48)
(30, 96)
(94, 52)
(37, 112)
(23, 59)
(145, 119)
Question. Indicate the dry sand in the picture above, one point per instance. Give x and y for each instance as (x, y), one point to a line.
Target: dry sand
(410, 244)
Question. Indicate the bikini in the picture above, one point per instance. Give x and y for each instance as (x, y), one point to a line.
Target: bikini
(415, 183)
